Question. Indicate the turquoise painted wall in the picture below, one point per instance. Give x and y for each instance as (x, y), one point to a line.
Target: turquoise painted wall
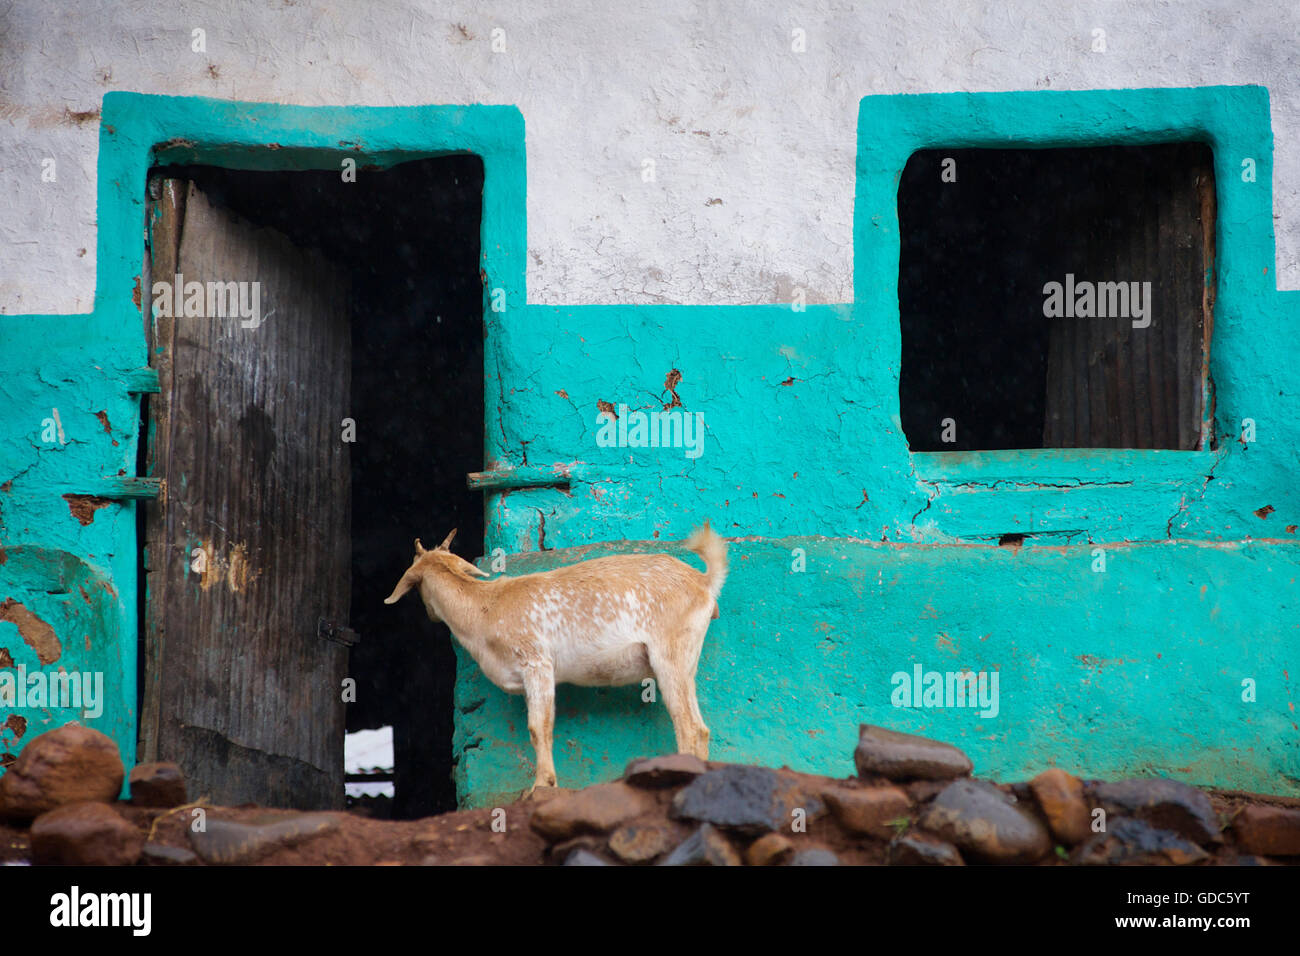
(1137, 669)
(1134, 671)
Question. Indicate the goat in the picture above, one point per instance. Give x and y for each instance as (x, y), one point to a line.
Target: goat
(599, 623)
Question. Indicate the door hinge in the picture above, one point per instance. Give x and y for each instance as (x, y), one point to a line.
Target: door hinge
(338, 633)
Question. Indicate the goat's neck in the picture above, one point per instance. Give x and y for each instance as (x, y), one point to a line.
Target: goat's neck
(458, 604)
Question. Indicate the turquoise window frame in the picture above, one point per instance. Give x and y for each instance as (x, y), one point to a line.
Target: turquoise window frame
(1232, 120)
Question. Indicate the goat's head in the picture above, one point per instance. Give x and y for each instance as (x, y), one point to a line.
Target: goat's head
(426, 566)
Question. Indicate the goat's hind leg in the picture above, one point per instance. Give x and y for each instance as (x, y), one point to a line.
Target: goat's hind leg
(701, 729)
(678, 689)
(539, 695)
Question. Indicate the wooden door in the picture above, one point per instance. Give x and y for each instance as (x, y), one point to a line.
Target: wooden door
(248, 548)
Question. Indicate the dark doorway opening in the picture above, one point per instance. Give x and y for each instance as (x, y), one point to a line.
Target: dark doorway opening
(406, 239)
(992, 360)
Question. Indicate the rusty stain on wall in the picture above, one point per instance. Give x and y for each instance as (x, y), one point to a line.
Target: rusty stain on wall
(671, 381)
(83, 507)
(16, 725)
(78, 117)
(39, 636)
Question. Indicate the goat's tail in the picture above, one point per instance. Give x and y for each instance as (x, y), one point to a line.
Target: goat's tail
(713, 551)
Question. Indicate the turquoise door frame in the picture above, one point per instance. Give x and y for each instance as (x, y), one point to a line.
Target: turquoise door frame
(68, 506)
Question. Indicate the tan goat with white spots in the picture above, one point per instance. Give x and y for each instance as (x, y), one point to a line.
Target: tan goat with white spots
(599, 623)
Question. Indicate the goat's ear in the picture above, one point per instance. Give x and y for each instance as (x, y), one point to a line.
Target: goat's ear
(419, 548)
(408, 581)
(446, 542)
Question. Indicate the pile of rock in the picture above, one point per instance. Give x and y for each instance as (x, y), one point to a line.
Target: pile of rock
(913, 803)
(680, 811)
(65, 782)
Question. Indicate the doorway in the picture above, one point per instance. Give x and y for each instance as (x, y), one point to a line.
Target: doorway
(321, 363)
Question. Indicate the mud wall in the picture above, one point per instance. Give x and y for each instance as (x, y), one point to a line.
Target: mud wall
(755, 257)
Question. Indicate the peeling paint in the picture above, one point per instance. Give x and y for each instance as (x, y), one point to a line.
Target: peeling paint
(37, 634)
(16, 725)
(671, 381)
(83, 507)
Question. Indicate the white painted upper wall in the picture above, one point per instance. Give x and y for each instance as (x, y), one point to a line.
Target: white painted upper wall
(711, 91)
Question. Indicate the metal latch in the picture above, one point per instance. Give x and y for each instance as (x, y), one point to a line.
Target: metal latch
(338, 633)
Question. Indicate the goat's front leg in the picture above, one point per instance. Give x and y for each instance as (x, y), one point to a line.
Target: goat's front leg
(539, 695)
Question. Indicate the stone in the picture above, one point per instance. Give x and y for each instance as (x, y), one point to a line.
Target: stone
(749, 800)
(1269, 831)
(705, 847)
(771, 849)
(1060, 797)
(581, 857)
(540, 795)
(1131, 842)
(1165, 804)
(228, 842)
(157, 785)
(867, 810)
(919, 850)
(159, 854)
(85, 834)
(887, 753)
(814, 856)
(595, 809)
(1020, 790)
(633, 844)
(70, 764)
(476, 859)
(668, 771)
(984, 822)
(559, 852)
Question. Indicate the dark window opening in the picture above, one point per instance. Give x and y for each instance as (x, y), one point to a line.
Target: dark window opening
(404, 242)
(993, 357)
